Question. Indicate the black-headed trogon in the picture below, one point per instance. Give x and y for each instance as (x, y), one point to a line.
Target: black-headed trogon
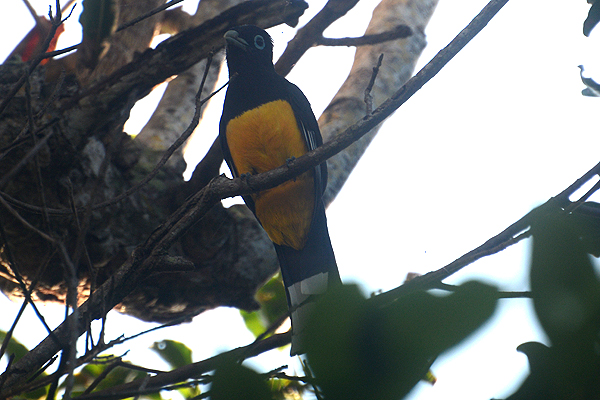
(267, 121)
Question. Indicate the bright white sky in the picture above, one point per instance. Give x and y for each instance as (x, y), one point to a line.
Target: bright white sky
(500, 130)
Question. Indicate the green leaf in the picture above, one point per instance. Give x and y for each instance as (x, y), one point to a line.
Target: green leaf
(566, 296)
(117, 375)
(587, 215)
(592, 19)
(559, 372)
(254, 322)
(14, 346)
(17, 349)
(564, 285)
(233, 381)
(176, 354)
(273, 304)
(359, 350)
(189, 392)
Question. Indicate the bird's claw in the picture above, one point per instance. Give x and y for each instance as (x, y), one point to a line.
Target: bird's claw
(289, 160)
(245, 177)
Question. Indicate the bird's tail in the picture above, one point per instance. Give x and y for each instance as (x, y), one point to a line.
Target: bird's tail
(307, 272)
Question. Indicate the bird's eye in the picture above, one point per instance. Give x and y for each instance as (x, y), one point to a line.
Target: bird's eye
(259, 42)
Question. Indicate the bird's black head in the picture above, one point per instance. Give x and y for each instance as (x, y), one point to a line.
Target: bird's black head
(249, 49)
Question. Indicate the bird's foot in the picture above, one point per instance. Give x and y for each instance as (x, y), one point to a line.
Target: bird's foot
(290, 160)
(245, 177)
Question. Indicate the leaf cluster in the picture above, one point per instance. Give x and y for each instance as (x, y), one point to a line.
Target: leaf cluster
(566, 295)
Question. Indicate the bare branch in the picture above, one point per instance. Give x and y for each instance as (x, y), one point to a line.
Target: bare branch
(511, 235)
(148, 14)
(56, 22)
(368, 96)
(180, 52)
(159, 381)
(400, 32)
(309, 34)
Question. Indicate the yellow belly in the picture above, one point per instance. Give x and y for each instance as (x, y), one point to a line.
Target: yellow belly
(262, 139)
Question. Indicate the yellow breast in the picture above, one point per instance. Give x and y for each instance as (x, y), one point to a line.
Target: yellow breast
(262, 139)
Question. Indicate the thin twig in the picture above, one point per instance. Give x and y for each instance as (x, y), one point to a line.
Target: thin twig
(125, 25)
(56, 21)
(169, 152)
(501, 293)
(9, 333)
(309, 374)
(368, 96)
(311, 33)
(32, 285)
(44, 368)
(50, 54)
(24, 222)
(72, 300)
(273, 327)
(22, 139)
(181, 374)
(176, 321)
(582, 199)
(148, 14)
(21, 164)
(15, 270)
(399, 32)
(511, 235)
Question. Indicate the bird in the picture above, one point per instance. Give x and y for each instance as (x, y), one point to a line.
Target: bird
(266, 122)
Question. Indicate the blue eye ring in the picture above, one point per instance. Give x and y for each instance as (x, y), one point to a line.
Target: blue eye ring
(259, 42)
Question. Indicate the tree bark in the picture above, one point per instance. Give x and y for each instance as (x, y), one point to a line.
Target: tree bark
(399, 60)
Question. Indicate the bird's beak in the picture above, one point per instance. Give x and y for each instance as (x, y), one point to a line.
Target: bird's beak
(232, 37)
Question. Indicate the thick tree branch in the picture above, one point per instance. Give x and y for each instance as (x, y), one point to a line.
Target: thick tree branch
(180, 52)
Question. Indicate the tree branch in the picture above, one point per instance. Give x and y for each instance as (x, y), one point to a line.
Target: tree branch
(400, 32)
(56, 21)
(511, 235)
(180, 52)
(311, 33)
(148, 14)
(190, 371)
